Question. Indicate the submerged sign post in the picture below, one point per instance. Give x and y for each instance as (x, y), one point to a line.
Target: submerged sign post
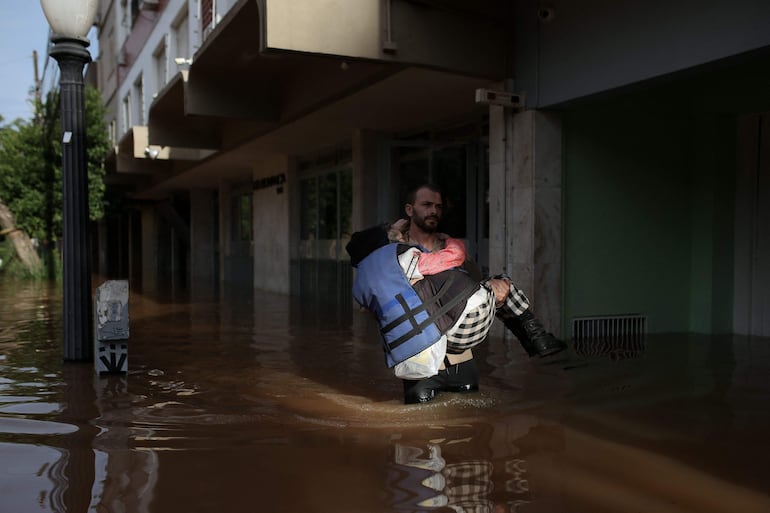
(111, 327)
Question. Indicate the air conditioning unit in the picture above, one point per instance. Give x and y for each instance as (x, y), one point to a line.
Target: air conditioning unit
(502, 98)
(149, 5)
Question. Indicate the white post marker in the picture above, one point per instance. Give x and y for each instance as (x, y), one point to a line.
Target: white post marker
(111, 327)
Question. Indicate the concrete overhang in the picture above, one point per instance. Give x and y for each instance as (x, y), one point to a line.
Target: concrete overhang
(406, 101)
(244, 91)
(268, 62)
(470, 38)
(170, 125)
(233, 91)
(132, 177)
(135, 143)
(126, 165)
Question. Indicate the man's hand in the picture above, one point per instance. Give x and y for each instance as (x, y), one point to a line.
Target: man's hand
(401, 225)
(397, 230)
(501, 288)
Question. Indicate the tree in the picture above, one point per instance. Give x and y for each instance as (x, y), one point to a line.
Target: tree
(19, 240)
(31, 174)
(20, 191)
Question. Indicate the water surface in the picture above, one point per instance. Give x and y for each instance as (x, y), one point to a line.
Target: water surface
(263, 404)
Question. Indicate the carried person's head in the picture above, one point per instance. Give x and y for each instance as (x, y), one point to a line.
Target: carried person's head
(363, 243)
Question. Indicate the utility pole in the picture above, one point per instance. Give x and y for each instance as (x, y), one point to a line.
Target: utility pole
(38, 113)
(37, 75)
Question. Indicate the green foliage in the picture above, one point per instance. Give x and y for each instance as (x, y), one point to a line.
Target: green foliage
(97, 147)
(31, 166)
(7, 255)
(22, 182)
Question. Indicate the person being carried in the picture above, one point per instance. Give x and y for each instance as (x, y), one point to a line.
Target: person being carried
(417, 263)
(412, 278)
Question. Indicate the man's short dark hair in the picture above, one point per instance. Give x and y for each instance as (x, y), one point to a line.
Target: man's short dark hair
(410, 197)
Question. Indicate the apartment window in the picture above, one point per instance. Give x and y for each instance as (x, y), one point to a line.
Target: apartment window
(114, 132)
(160, 58)
(207, 15)
(126, 113)
(134, 11)
(111, 63)
(138, 94)
(181, 44)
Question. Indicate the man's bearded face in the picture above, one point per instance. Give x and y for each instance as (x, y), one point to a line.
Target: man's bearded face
(426, 210)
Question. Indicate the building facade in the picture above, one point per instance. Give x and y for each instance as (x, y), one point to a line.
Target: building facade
(608, 156)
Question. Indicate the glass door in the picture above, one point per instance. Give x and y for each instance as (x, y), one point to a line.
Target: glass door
(457, 161)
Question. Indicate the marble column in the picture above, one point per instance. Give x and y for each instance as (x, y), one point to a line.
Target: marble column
(525, 157)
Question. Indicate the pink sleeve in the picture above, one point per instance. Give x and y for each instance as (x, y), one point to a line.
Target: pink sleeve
(453, 255)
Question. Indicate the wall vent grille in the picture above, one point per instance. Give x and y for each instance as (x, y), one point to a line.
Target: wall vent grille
(615, 336)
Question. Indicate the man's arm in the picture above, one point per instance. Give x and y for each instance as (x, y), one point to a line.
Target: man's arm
(453, 255)
(417, 264)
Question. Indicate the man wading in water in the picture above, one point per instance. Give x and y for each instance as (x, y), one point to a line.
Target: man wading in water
(431, 311)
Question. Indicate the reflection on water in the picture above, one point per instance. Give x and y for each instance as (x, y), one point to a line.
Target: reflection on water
(448, 472)
(265, 404)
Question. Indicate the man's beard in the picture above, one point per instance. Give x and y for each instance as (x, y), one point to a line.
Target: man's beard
(423, 225)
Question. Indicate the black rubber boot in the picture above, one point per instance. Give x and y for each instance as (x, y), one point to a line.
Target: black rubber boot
(461, 378)
(533, 337)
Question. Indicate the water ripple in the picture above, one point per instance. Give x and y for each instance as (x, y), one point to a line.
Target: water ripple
(34, 427)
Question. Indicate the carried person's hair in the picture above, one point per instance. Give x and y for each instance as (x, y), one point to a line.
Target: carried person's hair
(364, 242)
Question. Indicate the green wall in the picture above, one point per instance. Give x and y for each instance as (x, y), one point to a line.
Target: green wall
(648, 217)
(713, 205)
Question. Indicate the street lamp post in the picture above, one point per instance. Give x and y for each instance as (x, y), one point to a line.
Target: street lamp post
(71, 21)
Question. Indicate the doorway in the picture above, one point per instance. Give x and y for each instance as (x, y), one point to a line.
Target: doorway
(457, 161)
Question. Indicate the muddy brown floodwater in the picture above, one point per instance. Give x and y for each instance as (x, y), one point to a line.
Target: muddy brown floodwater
(261, 404)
